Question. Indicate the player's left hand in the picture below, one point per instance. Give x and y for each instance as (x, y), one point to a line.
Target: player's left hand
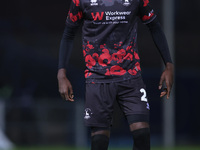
(167, 77)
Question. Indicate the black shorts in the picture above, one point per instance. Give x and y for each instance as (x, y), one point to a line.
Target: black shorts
(130, 95)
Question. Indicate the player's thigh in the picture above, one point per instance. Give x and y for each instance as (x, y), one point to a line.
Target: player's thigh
(133, 100)
(99, 102)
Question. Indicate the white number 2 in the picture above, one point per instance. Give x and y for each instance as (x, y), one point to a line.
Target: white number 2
(143, 98)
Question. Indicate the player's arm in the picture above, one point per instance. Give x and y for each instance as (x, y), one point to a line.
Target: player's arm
(148, 17)
(73, 21)
(66, 46)
(162, 45)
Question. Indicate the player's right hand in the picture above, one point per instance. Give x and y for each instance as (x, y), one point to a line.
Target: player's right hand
(64, 85)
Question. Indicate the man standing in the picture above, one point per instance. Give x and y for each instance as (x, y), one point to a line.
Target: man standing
(113, 70)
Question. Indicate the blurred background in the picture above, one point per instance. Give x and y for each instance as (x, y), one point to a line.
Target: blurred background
(31, 109)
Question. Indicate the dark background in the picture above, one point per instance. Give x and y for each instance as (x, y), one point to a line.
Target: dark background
(30, 34)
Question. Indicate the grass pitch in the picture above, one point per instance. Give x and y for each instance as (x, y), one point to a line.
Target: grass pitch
(121, 148)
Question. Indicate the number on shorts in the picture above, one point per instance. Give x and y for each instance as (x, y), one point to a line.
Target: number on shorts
(143, 98)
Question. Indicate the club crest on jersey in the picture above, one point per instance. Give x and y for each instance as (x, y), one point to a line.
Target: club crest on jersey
(93, 3)
(126, 3)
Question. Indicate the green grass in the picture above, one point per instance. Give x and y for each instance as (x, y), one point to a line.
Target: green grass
(72, 148)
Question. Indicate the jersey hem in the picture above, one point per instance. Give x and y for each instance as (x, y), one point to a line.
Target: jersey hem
(111, 80)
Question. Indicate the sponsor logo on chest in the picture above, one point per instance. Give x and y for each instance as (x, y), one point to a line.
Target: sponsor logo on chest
(105, 13)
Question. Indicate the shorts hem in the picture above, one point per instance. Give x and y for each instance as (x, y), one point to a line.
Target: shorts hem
(138, 113)
(97, 125)
(137, 118)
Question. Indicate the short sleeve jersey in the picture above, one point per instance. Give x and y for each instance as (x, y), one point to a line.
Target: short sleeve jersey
(110, 36)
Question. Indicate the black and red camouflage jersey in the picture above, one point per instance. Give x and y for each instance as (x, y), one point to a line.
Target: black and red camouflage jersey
(110, 36)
